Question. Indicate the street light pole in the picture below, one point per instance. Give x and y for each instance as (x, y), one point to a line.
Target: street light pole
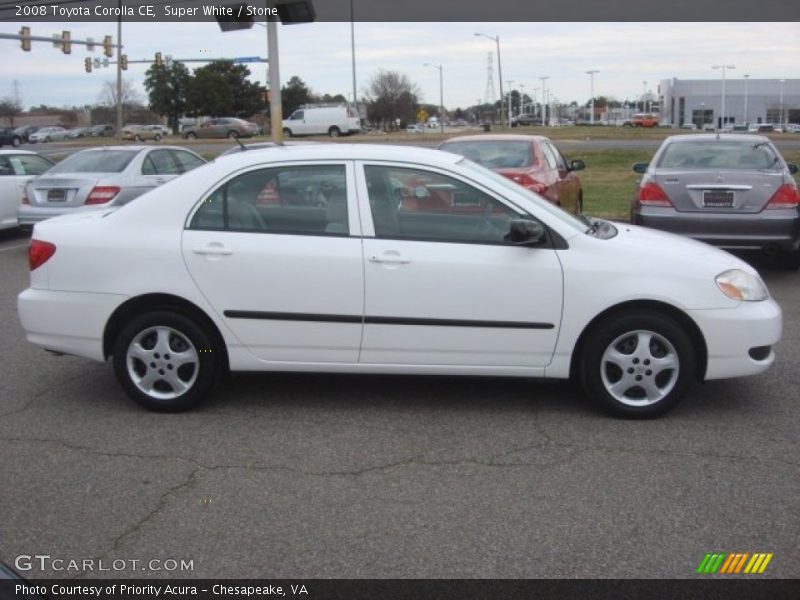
(119, 73)
(591, 73)
(353, 56)
(723, 67)
(781, 81)
(544, 99)
(441, 93)
(499, 71)
(644, 96)
(510, 108)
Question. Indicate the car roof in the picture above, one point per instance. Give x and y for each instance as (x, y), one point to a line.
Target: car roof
(329, 151)
(132, 147)
(497, 137)
(707, 137)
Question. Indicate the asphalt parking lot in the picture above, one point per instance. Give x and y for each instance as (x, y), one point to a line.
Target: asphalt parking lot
(321, 476)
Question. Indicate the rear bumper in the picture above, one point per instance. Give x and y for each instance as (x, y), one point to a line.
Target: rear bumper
(780, 227)
(68, 322)
(30, 215)
(732, 333)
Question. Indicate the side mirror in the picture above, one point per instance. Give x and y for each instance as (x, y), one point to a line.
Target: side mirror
(792, 168)
(577, 165)
(641, 167)
(524, 232)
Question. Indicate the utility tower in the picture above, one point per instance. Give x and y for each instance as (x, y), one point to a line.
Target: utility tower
(489, 96)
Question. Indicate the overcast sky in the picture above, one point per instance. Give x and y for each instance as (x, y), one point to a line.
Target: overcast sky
(626, 54)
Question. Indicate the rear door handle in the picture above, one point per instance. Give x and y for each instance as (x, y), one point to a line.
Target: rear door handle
(213, 249)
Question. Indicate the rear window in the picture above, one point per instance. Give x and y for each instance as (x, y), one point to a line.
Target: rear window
(494, 155)
(744, 155)
(95, 161)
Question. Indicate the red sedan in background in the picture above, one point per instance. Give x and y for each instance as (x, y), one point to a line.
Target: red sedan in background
(532, 161)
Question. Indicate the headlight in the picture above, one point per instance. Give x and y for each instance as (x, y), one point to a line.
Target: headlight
(739, 285)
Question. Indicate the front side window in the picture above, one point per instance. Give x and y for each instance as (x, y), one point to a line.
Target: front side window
(307, 200)
(187, 160)
(418, 204)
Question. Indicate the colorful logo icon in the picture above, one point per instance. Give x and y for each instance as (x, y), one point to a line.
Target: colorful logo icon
(734, 563)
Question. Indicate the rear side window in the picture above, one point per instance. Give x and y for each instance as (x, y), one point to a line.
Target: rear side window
(305, 200)
(95, 161)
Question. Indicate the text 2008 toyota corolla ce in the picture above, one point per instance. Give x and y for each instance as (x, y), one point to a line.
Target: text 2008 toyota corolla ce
(380, 259)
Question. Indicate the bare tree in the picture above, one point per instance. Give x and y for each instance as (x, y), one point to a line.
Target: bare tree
(392, 96)
(10, 109)
(130, 97)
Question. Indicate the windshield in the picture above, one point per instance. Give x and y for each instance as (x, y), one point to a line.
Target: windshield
(541, 204)
(714, 154)
(494, 154)
(95, 161)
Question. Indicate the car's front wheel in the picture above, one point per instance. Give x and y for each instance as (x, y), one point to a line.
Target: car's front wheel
(157, 137)
(165, 361)
(191, 136)
(287, 132)
(16, 141)
(637, 364)
(232, 135)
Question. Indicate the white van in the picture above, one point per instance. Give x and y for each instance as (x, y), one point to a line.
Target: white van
(322, 120)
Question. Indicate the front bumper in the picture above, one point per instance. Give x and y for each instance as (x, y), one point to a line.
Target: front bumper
(731, 334)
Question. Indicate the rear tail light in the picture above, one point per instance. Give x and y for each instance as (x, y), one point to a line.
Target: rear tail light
(785, 196)
(530, 183)
(25, 199)
(651, 194)
(39, 252)
(102, 194)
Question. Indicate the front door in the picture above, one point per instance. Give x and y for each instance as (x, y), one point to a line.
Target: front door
(443, 288)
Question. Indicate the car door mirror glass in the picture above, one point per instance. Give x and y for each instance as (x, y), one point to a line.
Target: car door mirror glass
(792, 168)
(524, 232)
(577, 165)
(640, 167)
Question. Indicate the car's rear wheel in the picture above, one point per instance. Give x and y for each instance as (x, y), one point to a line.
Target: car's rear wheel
(165, 361)
(334, 132)
(287, 132)
(47, 139)
(232, 135)
(191, 136)
(157, 137)
(637, 364)
(16, 141)
(137, 138)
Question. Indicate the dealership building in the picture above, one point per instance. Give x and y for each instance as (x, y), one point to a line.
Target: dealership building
(747, 100)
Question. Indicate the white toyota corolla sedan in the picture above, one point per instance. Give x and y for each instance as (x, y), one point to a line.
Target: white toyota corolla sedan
(381, 259)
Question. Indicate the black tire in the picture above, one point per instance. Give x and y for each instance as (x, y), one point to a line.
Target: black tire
(790, 261)
(623, 334)
(232, 135)
(47, 139)
(287, 132)
(16, 141)
(137, 138)
(334, 131)
(191, 135)
(157, 137)
(186, 337)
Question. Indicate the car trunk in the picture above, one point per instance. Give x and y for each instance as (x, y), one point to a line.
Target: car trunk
(66, 190)
(719, 191)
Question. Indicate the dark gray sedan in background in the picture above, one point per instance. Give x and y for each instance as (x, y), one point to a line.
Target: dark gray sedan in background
(100, 178)
(733, 191)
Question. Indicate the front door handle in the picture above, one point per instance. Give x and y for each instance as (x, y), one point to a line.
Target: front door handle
(392, 258)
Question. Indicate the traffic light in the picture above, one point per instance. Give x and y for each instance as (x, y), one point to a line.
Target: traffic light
(66, 45)
(87, 64)
(25, 38)
(123, 62)
(159, 61)
(107, 49)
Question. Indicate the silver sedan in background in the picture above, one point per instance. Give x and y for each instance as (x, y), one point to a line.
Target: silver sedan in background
(99, 178)
(734, 191)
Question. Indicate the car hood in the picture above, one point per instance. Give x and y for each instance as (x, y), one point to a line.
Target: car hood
(660, 247)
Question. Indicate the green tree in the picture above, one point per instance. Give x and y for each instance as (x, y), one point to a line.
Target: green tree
(294, 95)
(167, 88)
(221, 88)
